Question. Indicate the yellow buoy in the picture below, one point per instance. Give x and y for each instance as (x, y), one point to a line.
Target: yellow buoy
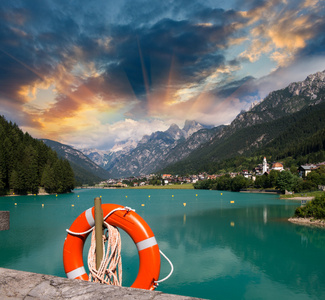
(172, 195)
(232, 201)
(142, 204)
(232, 224)
(196, 195)
(72, 205)
(78, 196)
(126, 196)
(15, 203)
(221, 194)
(100, 196)
(56, 195)
(42, 204)
(149, 196)
(184, 204)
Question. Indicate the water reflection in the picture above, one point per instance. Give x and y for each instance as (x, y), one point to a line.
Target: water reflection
(256, 243)
(265, 215)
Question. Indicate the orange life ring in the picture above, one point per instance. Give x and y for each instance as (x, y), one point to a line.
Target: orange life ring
(129, 221)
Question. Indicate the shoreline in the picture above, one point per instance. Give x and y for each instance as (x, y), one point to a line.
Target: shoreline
(39, 194)
(260, 192)
(308, 198)
(308, 222)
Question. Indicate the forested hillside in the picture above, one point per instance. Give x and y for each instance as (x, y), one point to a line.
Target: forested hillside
(295, 139)
(27, 164)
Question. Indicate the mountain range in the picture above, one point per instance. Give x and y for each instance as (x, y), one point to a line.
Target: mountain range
(196, 147)
(152, 152)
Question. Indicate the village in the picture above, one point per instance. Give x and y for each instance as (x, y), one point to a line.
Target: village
(169, 179)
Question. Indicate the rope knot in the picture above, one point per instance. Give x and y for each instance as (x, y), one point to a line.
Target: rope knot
(129, 208)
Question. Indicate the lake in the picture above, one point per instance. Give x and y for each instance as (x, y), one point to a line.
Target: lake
(223, 245)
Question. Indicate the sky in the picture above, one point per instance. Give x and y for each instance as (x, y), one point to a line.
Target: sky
(95, 73)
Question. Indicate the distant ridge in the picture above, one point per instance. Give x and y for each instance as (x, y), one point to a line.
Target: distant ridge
(86, 171)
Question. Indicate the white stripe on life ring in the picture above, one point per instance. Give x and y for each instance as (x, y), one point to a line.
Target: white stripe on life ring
(76, 273)
(89, 217)
(146, 243)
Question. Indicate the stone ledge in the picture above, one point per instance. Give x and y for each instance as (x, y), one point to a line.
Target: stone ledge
(307, 221)
(20, 285)
(4, 220)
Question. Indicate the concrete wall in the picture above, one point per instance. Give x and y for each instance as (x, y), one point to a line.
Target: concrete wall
(19, 285)
(4, 220)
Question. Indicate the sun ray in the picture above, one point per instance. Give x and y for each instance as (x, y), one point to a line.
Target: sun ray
(144, 71)
(23, 64)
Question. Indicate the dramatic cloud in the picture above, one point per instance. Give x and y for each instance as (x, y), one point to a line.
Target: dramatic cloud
(96, 74)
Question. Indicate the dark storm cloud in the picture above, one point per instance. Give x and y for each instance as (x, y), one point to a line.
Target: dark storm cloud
(151, 51)
(31, 44)
(315, 46)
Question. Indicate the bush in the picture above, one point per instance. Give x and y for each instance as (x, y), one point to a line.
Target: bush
(300, 213)
(313, 209)
(305, 186)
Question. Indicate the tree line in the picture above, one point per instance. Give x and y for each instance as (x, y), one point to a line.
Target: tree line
(26, 164)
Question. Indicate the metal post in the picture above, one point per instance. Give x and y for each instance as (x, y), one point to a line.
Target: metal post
(98, 231)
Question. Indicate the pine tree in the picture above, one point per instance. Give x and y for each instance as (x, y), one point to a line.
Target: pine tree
(31, 167)
(14, 182)
(47, 180)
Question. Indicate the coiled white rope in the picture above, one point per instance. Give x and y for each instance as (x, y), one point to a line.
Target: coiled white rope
(110, 270)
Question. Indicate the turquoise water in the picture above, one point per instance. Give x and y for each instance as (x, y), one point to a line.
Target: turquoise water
(220, 250)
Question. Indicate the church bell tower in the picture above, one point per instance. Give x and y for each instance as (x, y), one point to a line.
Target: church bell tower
(265, 167)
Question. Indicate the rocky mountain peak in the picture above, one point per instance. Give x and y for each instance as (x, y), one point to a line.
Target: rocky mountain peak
(124, 146)
(309, 87)
(175, 132)
(319, 76)
(190, 127)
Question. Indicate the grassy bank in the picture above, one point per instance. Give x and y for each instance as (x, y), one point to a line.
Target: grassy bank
(310, 194)
(188, 186)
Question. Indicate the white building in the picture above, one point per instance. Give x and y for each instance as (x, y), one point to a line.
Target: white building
(265, 166)
(277, 166)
